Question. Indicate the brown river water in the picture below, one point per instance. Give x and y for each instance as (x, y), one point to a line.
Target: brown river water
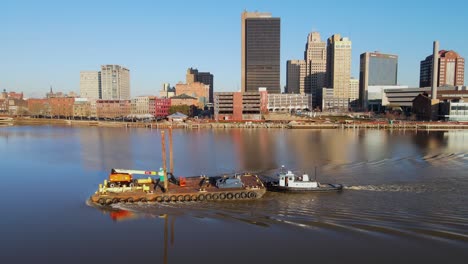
(405, 197)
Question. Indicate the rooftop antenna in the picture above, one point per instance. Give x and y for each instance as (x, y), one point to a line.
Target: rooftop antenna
(315, 173)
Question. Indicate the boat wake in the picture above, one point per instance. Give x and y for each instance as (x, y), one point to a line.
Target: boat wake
(311, 216)
(389, 188)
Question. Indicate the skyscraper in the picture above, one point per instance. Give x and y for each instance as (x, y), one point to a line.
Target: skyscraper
(260, 52)
(451, 70)
(207, 78)
(376, 69)
(339, 65)
(115, 82)
(315, 56)
(296, 76)
(90, 84)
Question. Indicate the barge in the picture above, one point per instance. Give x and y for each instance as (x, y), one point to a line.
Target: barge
(122, 187)
(222, 188)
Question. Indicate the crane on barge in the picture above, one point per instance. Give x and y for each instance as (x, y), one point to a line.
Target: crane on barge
(124, 177)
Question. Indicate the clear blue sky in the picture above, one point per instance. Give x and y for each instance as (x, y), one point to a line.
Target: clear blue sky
(47, 43)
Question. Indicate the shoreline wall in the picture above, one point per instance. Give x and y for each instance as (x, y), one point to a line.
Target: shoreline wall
(229, 125)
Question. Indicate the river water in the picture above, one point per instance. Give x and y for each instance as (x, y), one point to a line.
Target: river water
(405, 199)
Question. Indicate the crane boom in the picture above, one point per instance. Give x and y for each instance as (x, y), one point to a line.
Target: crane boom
(134, 171)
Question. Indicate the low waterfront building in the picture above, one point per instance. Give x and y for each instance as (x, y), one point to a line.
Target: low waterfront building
(454, 111)
(239, 106)
(82, 108)
(13, 106)
(15, 95)
(162, 106)
(404, 97)
(425, 108)
(374, 95)
(12, 103)
(38, 107)
(289, 102)
(184, 99)
(448, 106)
(143, 105)
(198, 90)
(93, 107)
(113, 108)
(177, 117)
(61, 106)
(332, 103)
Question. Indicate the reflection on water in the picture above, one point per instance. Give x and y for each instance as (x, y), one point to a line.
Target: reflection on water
(404, 196)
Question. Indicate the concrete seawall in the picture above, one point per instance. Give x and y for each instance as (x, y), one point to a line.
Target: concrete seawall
(233, 125)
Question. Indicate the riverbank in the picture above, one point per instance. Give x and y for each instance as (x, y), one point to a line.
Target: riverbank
(255, 125)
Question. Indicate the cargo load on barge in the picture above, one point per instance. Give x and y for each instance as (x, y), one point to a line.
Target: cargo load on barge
(163, 186)
(238, 187)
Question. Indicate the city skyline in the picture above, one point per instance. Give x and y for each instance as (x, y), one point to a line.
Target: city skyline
(58, 41)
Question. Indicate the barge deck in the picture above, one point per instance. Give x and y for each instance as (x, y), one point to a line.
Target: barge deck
(200, 188)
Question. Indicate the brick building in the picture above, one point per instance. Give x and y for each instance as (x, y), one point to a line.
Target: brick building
(197, 90)
(161, 107)
(12, 103)
(61, 106)
(82, 108)
(143, 105)
(451, 70)
(184, 99)
(14, 95)
(112, 108)
(38, 107)
(239, 106)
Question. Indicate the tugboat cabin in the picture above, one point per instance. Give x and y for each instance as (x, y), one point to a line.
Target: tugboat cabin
(290, 180)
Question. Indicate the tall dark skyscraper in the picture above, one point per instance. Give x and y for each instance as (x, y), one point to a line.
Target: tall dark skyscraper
(260, 52)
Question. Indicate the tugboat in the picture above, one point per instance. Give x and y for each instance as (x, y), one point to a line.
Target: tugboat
(290, 182)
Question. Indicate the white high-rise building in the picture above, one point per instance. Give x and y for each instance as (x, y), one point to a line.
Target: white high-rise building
(90, 84)
(296, 71)
(339, 65)
(315, 56)
(115, 82)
